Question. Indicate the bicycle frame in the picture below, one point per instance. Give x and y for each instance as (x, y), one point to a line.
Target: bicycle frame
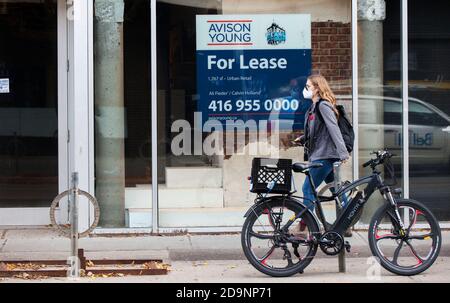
(346, 217)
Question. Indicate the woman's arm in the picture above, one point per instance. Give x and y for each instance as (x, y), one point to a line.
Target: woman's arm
(330, 120)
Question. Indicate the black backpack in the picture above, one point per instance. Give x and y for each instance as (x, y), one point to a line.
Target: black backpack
(344, 124)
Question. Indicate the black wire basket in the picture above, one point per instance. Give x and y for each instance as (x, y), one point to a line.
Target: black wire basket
(266, 171)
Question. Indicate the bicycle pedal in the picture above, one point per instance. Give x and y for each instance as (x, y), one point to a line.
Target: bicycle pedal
(347, 246)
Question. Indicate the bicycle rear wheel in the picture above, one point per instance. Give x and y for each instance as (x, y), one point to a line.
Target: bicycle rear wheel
(268, 249)
(411, 252)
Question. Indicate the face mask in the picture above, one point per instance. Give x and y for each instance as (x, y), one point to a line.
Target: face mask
(307, 94)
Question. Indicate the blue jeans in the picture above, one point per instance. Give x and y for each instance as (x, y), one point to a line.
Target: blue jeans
(330, 179)
(324, 173)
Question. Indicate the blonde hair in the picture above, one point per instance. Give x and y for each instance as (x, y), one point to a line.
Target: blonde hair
(325, 91)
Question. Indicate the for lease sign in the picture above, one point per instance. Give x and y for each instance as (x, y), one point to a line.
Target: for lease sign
(253, 67)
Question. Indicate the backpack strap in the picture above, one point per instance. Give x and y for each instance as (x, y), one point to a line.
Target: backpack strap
(317, 110)
(307, 134)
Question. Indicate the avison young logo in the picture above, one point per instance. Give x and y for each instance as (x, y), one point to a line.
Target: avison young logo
(230, 32)
(275, 34)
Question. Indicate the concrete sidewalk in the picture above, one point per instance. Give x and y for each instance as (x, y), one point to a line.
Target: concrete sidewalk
(202, 258)
(26, 244)
(323, 270)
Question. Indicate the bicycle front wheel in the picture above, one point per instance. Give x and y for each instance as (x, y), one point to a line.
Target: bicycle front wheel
(271, 251)
(411, 251)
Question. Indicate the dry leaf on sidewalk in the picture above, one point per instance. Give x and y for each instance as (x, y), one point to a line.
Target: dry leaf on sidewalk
(3, 266)
(156, 265)
(201, 264)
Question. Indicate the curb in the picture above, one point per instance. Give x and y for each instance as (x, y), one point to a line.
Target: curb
(188, 255)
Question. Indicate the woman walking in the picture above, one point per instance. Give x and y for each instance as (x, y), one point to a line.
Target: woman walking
(323, 139)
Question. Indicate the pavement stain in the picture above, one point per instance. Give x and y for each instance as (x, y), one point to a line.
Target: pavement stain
(3, 245)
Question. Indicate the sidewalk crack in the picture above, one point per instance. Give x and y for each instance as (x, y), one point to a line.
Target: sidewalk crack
(190, 242)
(362, 238)
(3, 245)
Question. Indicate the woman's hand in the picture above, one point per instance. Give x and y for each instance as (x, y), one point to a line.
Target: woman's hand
(300, 140)
(344, 161)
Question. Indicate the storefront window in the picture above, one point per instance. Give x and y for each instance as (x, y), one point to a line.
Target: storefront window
(28, 104)
(211, 69)
(122, 112)
(429, 109)
(204, 52)
(379, 90)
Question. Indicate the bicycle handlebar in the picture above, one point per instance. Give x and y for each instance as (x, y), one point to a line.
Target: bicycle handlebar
(381, 155)
(367, 163)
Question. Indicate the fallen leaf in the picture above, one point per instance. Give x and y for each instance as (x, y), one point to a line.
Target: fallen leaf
(201, 264)
(3, 266)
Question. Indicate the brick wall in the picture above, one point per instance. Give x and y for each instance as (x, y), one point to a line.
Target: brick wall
(332, 54)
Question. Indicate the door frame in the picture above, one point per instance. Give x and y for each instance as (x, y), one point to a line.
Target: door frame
(36, 216)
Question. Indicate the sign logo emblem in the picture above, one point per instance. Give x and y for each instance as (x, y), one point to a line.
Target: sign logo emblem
(275, 34)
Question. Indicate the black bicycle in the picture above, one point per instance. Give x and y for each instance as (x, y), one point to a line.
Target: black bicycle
(280, 235)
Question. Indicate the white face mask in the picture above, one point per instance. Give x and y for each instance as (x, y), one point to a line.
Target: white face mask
(307, 94)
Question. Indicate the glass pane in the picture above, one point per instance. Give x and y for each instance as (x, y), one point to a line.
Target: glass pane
(429, 109)
(123, 113)
(211, 71)
(380, 95)
(28, 103)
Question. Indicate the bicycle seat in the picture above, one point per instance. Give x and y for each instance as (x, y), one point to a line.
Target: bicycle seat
(302, 167)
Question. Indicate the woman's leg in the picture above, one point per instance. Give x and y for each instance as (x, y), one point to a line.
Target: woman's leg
(318, 175)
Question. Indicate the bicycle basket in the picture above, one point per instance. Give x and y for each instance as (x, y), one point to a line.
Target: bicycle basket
(389, 173)
(265, 170)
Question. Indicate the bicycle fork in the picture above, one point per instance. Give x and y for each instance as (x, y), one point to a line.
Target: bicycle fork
(387, 194)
